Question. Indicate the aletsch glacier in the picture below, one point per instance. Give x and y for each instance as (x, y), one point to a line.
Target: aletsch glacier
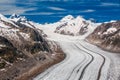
(84, 61)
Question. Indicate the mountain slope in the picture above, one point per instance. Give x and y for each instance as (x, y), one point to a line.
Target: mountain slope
(24, 37)
(107, 36)
(24, 50)
(74, 26)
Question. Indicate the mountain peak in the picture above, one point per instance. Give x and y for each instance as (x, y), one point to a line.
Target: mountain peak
(18, 18)
(14, 16)
(74, 26)
(3, 17)
(67, 18)
(80, 18)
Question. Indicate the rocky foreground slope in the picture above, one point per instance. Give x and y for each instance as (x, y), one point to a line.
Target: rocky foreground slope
(24, 50)
(107, 36)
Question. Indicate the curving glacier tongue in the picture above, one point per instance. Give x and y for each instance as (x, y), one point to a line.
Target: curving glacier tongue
(84, 61)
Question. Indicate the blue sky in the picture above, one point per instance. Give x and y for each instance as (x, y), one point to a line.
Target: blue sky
(53, 10)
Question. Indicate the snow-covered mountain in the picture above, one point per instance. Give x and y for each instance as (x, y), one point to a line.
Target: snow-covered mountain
(18, 18)
(21, 41)
(21, 33)
(107, 36)
(70, 25)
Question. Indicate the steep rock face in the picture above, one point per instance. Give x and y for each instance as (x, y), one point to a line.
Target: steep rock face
(107, 36)
(24, 49)
(24, 36)
(8, 53)
(74, 26)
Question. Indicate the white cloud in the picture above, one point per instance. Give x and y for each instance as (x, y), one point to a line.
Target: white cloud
(45, 13)
(8, 7)
(40, 13)
(16, 10)
(6, 1)
(56, 0)
(87, 11)
(56, 8)
(110, 4)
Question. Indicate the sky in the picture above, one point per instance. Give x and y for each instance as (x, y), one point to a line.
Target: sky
(43, 11)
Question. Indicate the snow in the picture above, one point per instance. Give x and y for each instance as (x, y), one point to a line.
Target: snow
(17, 18)
(6, 20)
(2, 25)
(99, 33)
(3, 17)
(113, 21)
(1, 46)
(76, 59)
(83, 61)
(67, 18)
(3, 69)
(10, 34)
(70, 25)
(110, 21)
(21, 19)
(110, 30)
(14, 15)
(28, 25)
(25, 36)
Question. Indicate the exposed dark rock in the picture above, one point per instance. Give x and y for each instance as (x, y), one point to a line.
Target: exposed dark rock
(8, 53)
(24, 50)
(107, 36)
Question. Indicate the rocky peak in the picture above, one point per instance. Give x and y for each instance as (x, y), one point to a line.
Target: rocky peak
(14, 16)
(74, 26)
(67, 18)
(17, 18)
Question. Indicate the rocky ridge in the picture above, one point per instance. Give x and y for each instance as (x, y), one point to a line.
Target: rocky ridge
(107, 36)
(24, 49)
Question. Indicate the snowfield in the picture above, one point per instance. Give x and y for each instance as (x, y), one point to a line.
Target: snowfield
(83, 61)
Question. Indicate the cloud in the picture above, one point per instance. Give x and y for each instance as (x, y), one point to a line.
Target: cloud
(16, 10)
(6, 1)
(88, 10)
(8, 7)
(57, 8)
(110, 4)
(40, 13)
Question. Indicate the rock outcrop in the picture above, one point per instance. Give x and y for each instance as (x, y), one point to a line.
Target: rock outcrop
(24, 49)
(107, 36)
